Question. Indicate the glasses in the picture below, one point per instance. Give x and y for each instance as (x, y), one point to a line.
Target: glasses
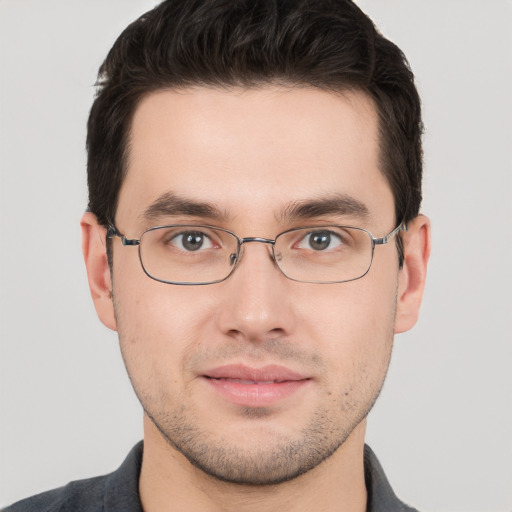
(193, 254)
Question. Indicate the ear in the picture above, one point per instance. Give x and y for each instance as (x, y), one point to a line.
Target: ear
(98, 272)
(411, 281)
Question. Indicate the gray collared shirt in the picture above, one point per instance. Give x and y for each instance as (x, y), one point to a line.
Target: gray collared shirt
(119, 491)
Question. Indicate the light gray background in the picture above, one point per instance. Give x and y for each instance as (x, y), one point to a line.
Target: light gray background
(442, 428)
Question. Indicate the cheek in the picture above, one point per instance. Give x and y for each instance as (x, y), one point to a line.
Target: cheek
(352, 310)
(157, 326)
(148, 309)
(352, 324)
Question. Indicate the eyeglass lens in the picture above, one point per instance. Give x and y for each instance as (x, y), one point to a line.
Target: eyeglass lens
(201, 254)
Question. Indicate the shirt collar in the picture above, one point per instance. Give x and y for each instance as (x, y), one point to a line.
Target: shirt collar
(122, 486)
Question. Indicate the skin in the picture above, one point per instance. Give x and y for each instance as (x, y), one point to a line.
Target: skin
(251, 154)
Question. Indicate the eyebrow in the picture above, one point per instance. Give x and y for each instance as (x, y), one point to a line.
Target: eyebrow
(338, 204)
(170, 204)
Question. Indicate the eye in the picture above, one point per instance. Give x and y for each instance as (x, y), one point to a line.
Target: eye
(191, 241)
(320, 241)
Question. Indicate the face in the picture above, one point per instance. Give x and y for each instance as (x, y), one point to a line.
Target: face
(259, 378)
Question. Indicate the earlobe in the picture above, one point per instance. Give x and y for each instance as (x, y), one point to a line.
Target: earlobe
(413, 273)
(98, 271)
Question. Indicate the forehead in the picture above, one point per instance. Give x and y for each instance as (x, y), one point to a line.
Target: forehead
(249, 151)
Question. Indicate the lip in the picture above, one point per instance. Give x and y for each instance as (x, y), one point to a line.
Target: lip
(255, 387)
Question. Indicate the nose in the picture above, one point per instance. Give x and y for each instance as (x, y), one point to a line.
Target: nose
(256, 301)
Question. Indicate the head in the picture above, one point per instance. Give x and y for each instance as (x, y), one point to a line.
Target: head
(329, 45)
(257, 117)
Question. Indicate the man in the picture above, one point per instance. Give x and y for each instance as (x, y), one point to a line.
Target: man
(254, 236)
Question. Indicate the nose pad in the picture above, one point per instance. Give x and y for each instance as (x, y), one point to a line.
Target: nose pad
(256, 241)
(275, 257)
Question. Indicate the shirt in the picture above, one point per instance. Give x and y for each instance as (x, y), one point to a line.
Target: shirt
(119, 491)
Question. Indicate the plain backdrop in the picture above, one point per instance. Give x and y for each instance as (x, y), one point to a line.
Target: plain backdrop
(443, 425)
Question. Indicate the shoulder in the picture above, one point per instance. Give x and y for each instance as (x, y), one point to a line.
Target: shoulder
(80, 496)
(381, 497)
(115, 492)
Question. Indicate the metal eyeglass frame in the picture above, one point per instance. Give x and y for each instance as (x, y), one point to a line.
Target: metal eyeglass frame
(112, 231)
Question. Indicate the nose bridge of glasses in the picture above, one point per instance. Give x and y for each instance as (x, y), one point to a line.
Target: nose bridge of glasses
(250, 239)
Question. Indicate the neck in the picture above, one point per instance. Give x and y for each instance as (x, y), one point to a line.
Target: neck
(169, 482)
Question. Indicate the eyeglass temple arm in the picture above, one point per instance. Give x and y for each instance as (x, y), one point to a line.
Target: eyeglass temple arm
(385, 239)
(113, 231)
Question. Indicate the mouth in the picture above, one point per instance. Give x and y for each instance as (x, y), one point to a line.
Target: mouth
(242, 381)
(255, 387)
